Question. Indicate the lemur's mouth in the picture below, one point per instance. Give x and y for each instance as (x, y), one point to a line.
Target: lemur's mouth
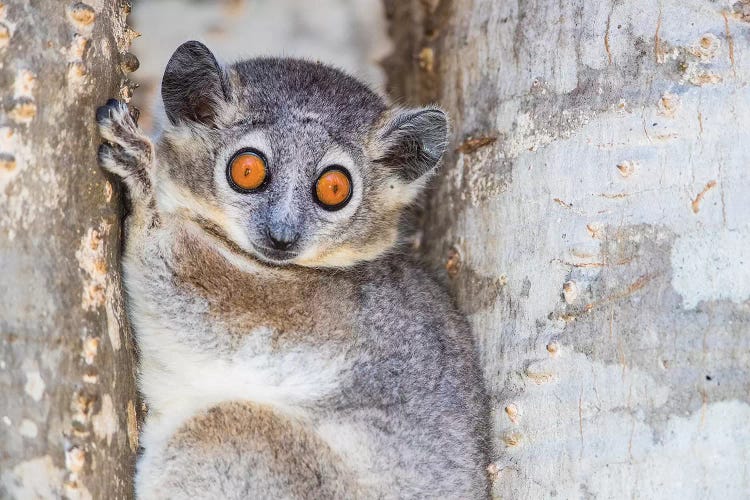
(259, 253)
(273, 255)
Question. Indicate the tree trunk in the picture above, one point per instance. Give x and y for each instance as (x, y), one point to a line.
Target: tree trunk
(67, 393)
(592, 221)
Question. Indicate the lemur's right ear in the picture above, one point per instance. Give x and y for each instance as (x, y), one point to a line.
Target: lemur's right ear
(194, 85)
(413, 141)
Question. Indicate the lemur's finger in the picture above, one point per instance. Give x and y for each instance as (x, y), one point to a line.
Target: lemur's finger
(113, 158)
(115, 123)
(135, 114)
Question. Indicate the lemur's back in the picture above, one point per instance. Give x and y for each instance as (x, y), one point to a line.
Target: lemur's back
(285, 350)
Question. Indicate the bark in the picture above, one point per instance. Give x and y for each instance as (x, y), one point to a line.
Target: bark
(592, 221)
(67, 391)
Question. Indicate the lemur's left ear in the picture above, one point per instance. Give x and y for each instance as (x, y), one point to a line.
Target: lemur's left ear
(194, 85)
(413, 141)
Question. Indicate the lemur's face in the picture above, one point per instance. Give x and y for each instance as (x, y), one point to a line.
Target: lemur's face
(290, 162)
(292, 193)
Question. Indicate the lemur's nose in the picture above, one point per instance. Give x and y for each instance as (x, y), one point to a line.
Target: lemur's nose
(282, 236)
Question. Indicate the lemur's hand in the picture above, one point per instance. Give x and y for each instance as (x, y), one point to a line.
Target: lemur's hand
(127, 152)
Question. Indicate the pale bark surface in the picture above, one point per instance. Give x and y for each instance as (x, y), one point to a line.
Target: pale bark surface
(596, 232)
(67, 393)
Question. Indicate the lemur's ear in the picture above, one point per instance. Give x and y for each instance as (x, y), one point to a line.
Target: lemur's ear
(413, 141)
(194, 85)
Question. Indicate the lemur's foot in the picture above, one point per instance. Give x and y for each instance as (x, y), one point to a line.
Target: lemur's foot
(127, 152)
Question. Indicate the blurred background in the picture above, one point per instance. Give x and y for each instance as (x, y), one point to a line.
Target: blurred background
(349, 34)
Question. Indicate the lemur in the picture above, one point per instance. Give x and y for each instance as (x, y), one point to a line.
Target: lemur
(288, 349)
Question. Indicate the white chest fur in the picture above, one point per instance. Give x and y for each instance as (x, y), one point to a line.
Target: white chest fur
(179, 380)
(178, 383)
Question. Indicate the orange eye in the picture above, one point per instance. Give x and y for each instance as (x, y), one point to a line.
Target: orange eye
(247, 171)
(333, 188)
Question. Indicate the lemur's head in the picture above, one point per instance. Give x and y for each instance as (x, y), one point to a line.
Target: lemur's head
(289, 161)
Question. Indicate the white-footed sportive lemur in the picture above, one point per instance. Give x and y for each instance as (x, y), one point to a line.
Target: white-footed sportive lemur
(288, 349)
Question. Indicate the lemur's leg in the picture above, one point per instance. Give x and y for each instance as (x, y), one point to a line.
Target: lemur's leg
(127, 151)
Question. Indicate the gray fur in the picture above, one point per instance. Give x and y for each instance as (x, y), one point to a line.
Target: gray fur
(364, 379)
